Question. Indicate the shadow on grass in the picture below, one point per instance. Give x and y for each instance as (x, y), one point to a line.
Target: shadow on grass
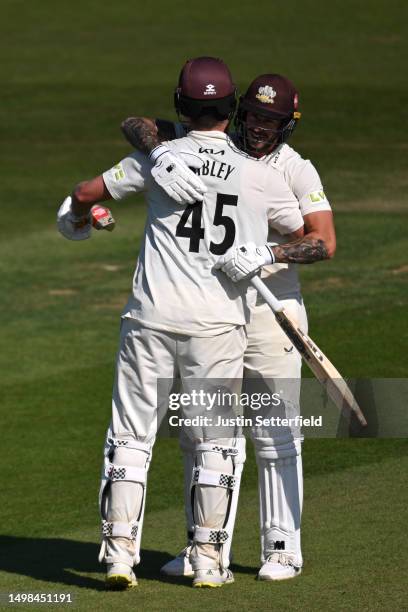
(62, 561)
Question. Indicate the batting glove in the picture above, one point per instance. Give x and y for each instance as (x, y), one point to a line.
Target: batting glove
(79, 228)
(71, 226)
(173, 174)
(102, 218)
(244, 261)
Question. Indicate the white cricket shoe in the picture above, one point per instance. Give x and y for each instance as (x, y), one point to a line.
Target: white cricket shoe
(120, 577)
(278, 566)
(180, 565)
(212, 578)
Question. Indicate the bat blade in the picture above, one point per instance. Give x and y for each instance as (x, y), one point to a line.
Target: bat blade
(325, 372)
(317, 361)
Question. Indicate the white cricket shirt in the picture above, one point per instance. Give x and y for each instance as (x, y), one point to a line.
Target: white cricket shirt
(175, 288)
(304, 181)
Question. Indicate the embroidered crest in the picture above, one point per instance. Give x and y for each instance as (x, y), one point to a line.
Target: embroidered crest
(266, 94)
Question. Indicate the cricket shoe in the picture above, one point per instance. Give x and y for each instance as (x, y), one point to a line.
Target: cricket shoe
(180, 565)
(120, 577)
(278, 566)
(212, 578)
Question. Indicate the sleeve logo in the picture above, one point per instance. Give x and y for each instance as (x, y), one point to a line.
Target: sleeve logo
(317, 196)
(118, 172)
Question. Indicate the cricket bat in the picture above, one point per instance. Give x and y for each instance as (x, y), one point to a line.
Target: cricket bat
(320, 365)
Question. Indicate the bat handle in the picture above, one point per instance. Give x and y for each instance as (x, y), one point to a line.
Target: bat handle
(267, 295)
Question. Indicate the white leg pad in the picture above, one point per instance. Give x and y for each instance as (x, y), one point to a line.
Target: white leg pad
(122, 499)
(187, 447)
(206, 535)
(215, 488)
(120, 530)
(203, 476)
(281, 497)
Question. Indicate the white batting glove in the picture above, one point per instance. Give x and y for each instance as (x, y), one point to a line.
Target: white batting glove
(244, 261)
(70, 226)
(173, 174)
(79, 228)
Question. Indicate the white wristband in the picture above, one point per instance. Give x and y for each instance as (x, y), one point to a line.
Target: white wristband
(157, 152)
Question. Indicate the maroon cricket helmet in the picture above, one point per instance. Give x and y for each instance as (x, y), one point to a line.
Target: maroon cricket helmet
(272, 96)
(205, 85)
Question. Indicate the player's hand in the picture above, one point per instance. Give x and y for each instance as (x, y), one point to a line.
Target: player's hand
(70, 226)
(79, 228)
(244, 261)
(172, 172)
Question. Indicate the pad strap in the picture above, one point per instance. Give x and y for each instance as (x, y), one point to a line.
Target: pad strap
(133, 444)
(206, 535)
(226, 451)
(127, 473)
(114, 529)
(211, 477)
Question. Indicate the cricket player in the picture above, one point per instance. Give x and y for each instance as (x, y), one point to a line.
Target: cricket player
(183, 317)
(267, 115)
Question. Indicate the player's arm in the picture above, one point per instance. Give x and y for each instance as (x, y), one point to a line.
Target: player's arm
(144, 133)
(88, 193)
(299, 233)
(320, 226)
(315, 241)
(171, 171)
(245, 260)
(317, 244)
(79, 212)
(319, 241)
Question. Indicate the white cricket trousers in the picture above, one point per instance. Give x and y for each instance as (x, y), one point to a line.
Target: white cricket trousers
(148, 361)
(147, 356)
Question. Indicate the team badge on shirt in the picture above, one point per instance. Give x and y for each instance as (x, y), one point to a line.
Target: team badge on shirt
(266, 94)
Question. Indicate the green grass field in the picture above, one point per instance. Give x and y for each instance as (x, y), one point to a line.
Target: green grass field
(71, 71)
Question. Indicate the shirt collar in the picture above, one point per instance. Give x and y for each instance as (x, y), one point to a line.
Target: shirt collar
(208, 134)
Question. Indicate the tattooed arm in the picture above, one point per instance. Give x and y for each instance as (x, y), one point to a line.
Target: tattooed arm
(172, 172)
(145, 134)
(318, 243)
(305, 250)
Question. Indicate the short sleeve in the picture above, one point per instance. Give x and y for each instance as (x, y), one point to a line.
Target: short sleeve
(284, 213)
(307, 186)
(131, 175)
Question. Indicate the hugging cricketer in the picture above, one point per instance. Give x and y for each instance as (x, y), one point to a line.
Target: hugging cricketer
(222, 206)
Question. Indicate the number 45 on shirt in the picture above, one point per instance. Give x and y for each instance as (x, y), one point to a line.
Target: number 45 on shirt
(196, 233)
